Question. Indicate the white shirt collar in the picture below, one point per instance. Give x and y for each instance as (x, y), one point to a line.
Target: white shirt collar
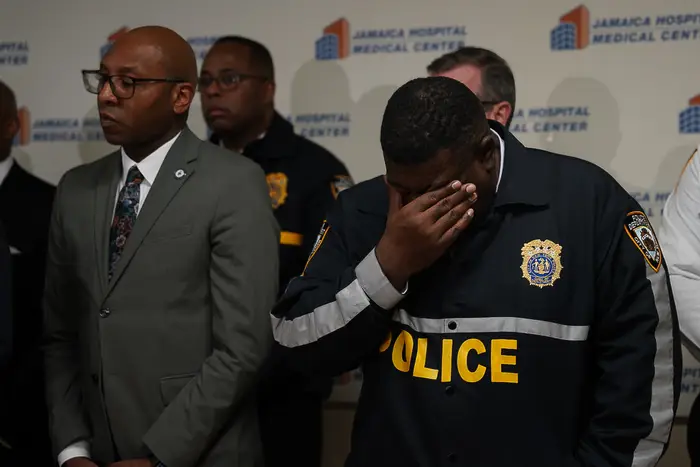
(150, 165)
(5, 167)
(240, 151)
(503, 155)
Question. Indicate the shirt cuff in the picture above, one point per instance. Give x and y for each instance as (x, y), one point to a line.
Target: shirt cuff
(376, 285)
(77, 449)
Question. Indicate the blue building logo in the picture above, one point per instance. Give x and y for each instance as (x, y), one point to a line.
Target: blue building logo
(572, 31)
(689, 118)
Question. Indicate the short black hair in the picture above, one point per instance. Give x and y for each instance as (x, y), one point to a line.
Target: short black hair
(427, 115)
(497, 81)
(260, 56)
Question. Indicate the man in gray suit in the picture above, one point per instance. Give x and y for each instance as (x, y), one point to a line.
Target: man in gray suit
(162, 268)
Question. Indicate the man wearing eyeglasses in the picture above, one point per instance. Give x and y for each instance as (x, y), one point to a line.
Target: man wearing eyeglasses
(159, 279)
(486, 74)
(237, 86)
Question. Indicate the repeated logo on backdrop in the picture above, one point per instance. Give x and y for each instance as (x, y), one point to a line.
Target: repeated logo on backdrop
(689, 118)
(56, 130)
(14, 53)
(25, 124)
(564, 119)
(200, 44)
(577, 31)
(338, 42)
(321, 125)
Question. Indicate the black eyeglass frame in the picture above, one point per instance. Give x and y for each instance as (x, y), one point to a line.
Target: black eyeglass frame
(133, 82)
(239, 77)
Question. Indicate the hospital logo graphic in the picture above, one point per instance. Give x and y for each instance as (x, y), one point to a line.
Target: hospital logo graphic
(338, 43)
(25, 124)
(111, 38)
(14, 53)
(200, 44)
(572, 31)
(576, 30)
(689, 118)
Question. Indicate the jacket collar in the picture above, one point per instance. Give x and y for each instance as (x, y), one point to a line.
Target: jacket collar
(525, 180)
(277, 142)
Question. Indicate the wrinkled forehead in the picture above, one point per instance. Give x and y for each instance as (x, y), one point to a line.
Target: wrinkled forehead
(130, 57)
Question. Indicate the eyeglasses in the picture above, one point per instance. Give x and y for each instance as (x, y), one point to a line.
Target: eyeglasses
(122, 87)
(226, 80)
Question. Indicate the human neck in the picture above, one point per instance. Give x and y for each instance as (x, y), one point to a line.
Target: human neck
(139, 152)
(238, 140)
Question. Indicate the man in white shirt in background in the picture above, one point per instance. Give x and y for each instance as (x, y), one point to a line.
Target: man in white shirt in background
(680, 242)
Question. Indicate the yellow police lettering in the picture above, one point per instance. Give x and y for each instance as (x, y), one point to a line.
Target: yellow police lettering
(500, 355)
(385, 345)
(446, 370)
(420, 370)
(403, 351)
(498, 360)
(462, 365)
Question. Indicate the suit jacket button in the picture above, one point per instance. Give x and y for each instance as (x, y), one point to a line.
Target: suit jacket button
(95, 379)
(104, 313)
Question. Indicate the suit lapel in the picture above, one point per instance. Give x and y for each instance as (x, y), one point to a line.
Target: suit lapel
(105, 197)
(166, 185)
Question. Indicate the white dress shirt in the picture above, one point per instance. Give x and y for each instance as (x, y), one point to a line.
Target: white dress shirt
(502, 144)
(149, 168)
(5, 167)
(679, 236)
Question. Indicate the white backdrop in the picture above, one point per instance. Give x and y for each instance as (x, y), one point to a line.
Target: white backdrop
(613, 82)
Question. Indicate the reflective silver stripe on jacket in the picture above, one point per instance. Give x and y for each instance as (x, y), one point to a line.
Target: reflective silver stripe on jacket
(494, 325)
(649, 449)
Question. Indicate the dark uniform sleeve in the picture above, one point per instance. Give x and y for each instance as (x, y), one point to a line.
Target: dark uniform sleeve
(636, 346)
(321, 201)
(5, 303)
(335, 314)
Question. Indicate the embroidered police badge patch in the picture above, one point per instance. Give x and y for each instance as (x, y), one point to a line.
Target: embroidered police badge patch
(277, 184)
(340, 183)
(319, 241)
(639, 229)
(541, 262)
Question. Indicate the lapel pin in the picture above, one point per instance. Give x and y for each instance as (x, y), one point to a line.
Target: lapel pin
(179, 173)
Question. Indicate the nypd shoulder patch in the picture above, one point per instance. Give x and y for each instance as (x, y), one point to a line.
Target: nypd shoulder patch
(639, 229)
(340, 183)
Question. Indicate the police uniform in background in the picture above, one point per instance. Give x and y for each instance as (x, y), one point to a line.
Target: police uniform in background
(304, 179)
(544, 337)
(680, 237)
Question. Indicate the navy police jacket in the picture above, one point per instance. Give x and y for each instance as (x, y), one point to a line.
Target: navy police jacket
(545, 337)
(304, 179)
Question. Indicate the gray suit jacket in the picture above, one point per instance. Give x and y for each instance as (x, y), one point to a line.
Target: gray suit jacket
(164, 357)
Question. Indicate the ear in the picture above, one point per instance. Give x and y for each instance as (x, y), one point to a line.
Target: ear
(500, 112)
(183, 95)
(9, 129)
(485, 150)
(270, 88)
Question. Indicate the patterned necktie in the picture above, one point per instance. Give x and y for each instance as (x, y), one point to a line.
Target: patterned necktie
(124, 216)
